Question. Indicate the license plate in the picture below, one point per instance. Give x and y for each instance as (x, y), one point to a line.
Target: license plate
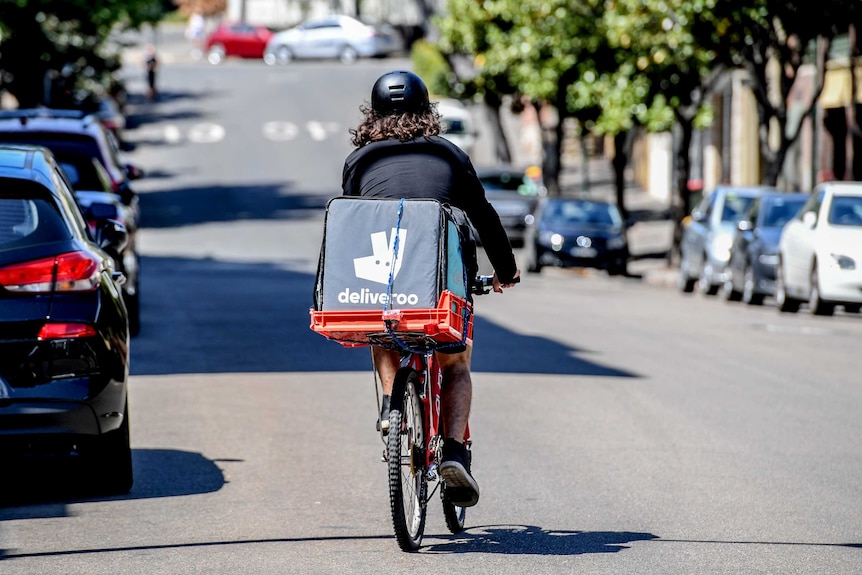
(580, 252)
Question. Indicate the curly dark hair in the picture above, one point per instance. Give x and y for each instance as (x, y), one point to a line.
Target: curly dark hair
(406, 126)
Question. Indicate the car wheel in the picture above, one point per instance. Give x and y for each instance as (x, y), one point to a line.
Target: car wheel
(785, 303)
(109, 461)
(815, 303)
(749, 296)
(283, 55)
(348, 55)
(534, 266)
(684, 282)
(730, 292)
(216, 54)
(704, 282)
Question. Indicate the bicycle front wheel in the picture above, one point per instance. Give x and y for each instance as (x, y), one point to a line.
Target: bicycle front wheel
(454, 515)
(408, 481)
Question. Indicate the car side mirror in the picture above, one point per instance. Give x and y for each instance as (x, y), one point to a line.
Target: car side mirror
(134, 172)
(809, 219)
(698, 216)
(744, 226)
(111, 236)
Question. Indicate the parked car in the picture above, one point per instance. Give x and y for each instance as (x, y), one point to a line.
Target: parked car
(91, 185)
(514, 194)
(332, 37)
(236, 39)
(572, 232)
(71, 132)
(820, 252)
(457, 123)
(64, 337)
(750, 273)
(708, 235)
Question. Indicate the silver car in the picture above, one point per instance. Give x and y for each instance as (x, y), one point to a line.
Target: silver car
(333, 37)
(708, 237)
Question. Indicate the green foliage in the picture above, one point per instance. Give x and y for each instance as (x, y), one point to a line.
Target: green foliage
(433, 68)
(64, 42)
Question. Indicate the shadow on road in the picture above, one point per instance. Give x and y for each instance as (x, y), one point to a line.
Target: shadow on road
(181, 207)
(209, 316)
(41, 488)
(532, 540)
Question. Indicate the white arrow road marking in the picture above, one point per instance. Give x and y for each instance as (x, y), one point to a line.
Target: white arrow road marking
(280, 131)
(172, 134)
(206, 133)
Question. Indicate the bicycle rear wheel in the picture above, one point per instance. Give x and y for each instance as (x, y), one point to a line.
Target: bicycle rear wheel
(408, 481)
(454, 515)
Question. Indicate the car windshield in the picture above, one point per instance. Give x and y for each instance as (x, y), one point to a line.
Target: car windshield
(583, 212)
(512, 182)
(735, 207)
(29, 221)
(780, 211)
(846, 211)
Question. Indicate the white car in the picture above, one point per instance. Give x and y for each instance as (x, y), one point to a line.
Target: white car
(820, 252)
(457, 124)
(333, 37)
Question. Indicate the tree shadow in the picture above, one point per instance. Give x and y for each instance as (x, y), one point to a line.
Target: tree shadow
(255, 319)
(533, 540)
(43, 487)
(188, 206)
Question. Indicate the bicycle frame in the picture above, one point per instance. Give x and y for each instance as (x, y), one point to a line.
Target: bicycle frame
(431, 377)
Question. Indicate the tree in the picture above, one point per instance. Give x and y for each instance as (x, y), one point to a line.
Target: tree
(772, 39)
(49, 49)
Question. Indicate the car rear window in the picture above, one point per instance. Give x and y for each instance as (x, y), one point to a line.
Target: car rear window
(59, 144)
(846, 211)
(26, 221)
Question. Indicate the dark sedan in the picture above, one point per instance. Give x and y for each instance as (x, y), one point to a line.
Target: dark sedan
(64, 337)
(754, 252)
(571, 232)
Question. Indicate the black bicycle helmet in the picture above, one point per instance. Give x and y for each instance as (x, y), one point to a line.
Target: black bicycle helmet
(398, 92)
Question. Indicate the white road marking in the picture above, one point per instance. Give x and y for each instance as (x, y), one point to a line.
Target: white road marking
(280, 131)
(206, 133)
(172, 134)
(316, 130)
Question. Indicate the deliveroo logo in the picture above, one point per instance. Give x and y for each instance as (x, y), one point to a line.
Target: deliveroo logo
(376, 267)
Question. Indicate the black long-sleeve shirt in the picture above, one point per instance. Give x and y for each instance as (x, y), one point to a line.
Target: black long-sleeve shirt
(430, 168)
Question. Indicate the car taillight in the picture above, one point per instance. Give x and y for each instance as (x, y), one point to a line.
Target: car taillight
(73, 271)
(65, 331)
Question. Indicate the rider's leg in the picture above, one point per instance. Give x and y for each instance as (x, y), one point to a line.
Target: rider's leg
(461, 488)
(387, 362)
(457, 392)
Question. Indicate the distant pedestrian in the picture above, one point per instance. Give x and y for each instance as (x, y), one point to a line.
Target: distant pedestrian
(151, 63)
(195, 33)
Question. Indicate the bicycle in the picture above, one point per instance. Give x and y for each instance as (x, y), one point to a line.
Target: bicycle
(414, 443)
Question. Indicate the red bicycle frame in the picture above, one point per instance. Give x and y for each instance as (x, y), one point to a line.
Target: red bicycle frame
(431, 377)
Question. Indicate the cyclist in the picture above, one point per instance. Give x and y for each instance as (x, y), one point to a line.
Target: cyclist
(401, 155)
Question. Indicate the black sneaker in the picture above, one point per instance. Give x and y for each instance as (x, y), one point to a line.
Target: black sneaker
(461, 489)
(383, 422)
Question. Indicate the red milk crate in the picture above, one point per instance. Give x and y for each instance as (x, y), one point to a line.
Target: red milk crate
(417, 328)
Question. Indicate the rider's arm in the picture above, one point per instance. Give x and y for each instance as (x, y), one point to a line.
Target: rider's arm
(495, 241)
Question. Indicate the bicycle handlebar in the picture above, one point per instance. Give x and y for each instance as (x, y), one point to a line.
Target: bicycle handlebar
(484, 284)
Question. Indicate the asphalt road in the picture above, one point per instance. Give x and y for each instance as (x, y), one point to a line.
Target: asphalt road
(619, 427)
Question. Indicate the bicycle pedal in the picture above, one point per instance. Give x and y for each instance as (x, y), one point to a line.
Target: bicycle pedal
(385, 457)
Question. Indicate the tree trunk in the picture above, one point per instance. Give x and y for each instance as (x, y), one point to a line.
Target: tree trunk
(622, 143)
(502, 150)
(683, 174)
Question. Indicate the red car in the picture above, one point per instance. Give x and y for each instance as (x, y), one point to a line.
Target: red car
(242, 40)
